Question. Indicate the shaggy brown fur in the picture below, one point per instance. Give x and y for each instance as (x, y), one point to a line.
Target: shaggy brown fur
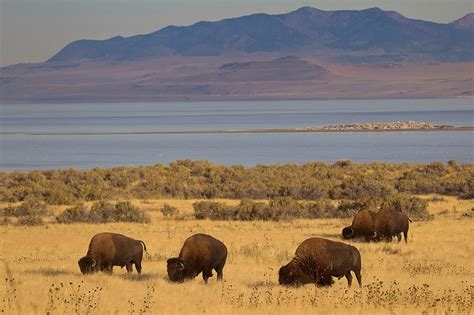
(109, 249)
(362, 225)
(200, 253)
(317, 260)
(389, 223)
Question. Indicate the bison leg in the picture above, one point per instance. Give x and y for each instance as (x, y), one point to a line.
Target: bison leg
(405, 236)
(219, 271)
(107, 268)
(349, 278)
(103, 268)
(399, 237)
(138, 266)
(326, 281)
(358, 276)
(206, 274)
(129, 267)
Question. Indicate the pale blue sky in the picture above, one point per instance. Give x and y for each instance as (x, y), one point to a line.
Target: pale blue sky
(33, 30)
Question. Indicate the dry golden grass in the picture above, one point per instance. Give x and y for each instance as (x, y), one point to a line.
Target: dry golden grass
(434, 272)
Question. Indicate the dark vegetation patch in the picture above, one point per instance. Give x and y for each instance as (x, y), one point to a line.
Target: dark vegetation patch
(30, 212)
(287, 208)
(203, 180)
(103, 212)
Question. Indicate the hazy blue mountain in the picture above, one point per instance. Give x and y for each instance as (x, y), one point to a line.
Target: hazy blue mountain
(306, 30)
(465, 23)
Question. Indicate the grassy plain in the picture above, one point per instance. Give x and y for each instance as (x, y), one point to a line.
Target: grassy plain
(434, 272)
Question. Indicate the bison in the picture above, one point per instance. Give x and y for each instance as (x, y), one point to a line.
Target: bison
(317, 260)
(362, 225)
(110, 249)
(200, 253)
(390, 223)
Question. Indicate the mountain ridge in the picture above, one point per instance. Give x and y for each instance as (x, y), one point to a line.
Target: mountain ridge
(306, 30)
(466, 22)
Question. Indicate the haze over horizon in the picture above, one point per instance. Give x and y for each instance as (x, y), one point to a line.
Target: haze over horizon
(32, 31)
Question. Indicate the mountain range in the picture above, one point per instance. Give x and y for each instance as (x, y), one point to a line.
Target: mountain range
(304, 54)
(304, 31)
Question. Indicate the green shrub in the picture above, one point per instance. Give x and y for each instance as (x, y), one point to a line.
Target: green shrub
(9, 211)
(78, 213)
(126, 212)
(202, 179)
(320, 209)
(249, 210)
(212, 210)
(103, 212)
(31, 207)
(168, 210)
(279, 208)
(285, 208)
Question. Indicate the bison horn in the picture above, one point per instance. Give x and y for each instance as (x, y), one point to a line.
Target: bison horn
(93, 262)
(181, 266)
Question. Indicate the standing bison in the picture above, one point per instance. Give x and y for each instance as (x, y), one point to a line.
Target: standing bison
(389, 223)
(362, 225)
(317, 260)
(200, 253)
(109, 249)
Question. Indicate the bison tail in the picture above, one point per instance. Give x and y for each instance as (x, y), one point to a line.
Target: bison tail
(410, 220)
(144, 246)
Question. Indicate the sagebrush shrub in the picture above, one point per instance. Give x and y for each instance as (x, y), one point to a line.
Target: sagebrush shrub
(126, 212)
(78, 213)
(32, 207)
(279, 208)
(30, 220)
(103, 212)
(168, 210)
(202, 179)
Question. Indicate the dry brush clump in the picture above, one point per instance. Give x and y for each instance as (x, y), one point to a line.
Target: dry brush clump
(103, 212)
(187, 179)
(287, 208)
(29, 212)
(280, 208)
(169, 211)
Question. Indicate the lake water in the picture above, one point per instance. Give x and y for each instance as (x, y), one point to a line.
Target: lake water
(50, 148)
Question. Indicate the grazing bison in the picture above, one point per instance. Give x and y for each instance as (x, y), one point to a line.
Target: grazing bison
(389, 223)
(200, 253)
(362, 225)
(109, 249)
(317, 260)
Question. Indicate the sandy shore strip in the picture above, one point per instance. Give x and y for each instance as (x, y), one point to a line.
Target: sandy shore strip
(396, 126)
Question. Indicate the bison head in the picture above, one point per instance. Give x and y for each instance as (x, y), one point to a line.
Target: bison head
(176, 269)
(348, 233)
(291, 275)
(87, 265)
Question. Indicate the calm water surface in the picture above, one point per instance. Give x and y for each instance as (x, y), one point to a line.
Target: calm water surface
(23, 151)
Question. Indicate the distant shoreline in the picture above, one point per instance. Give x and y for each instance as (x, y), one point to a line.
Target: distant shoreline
(240, 131)
(216, 99)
